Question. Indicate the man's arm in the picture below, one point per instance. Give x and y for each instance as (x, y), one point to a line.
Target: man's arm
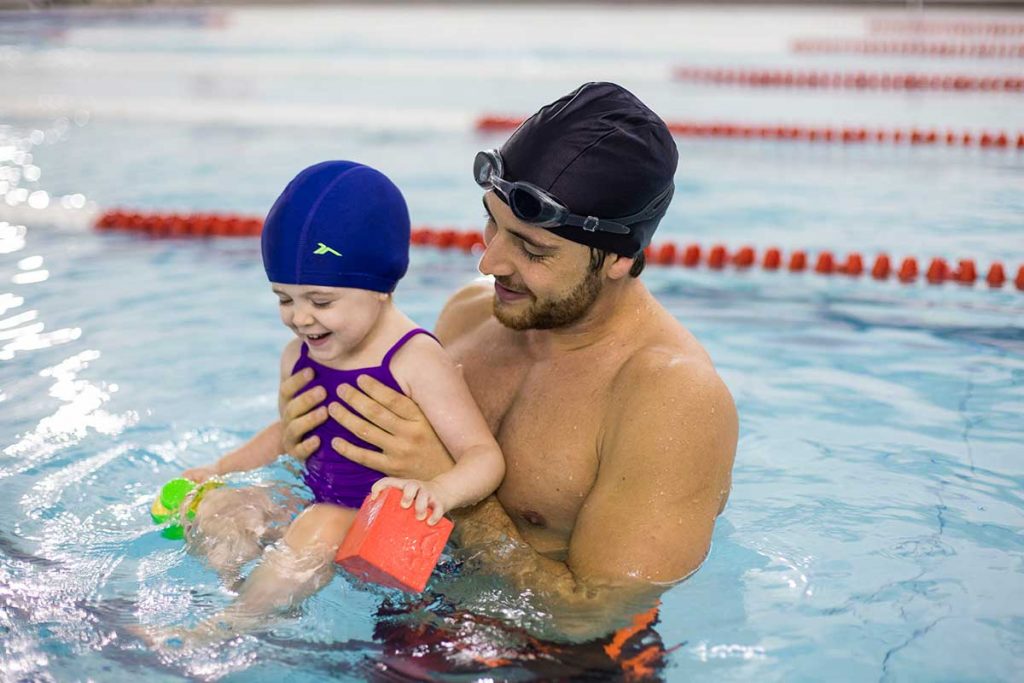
(666, 461)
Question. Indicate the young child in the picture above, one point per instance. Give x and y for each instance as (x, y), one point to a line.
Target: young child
(335, 244)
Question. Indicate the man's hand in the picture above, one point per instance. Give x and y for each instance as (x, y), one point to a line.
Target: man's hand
(393, 423)
(298, 416)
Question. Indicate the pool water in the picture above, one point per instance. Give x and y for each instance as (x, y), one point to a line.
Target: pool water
(875, 529)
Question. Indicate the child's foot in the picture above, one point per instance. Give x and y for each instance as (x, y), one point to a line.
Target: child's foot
(158, 637)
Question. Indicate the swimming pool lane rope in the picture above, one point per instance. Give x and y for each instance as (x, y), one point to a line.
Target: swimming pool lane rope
(717, 257)
(849, 135)
(962, 27)
(848, 80)
(913, 48)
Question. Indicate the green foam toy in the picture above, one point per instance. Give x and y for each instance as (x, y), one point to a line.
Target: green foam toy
(166, 509)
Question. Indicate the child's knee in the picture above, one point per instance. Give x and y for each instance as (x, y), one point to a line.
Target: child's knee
(320, 525)
(231, 526)
(245, 508)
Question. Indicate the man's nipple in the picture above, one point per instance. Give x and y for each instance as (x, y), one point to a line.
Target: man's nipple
(534, 518)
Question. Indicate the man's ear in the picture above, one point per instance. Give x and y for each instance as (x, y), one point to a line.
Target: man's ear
(617, 267)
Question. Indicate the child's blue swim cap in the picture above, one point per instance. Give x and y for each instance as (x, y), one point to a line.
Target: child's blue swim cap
(338, 224)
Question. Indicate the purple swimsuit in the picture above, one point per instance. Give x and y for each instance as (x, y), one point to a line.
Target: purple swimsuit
(332, 477)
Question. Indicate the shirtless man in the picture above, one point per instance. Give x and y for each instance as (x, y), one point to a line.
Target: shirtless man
(618, 435)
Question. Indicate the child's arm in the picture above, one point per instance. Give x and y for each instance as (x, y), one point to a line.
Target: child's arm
(435, 383)
(261, 449)
(258, 451)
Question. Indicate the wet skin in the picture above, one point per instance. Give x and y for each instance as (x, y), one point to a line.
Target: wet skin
(618, 435)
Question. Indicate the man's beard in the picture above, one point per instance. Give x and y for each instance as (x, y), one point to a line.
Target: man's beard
(548, 315)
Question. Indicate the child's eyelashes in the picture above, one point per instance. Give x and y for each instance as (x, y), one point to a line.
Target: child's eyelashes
(316, 304)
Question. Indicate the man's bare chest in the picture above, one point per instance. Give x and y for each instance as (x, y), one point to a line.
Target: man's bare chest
(547, 419)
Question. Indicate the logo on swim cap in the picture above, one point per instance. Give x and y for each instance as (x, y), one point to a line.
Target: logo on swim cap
(322, 249)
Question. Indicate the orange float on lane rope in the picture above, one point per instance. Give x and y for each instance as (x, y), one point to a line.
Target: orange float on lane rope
(938, 271)
(882, 267)
(996, 275)
(908, 270)
(691, 257)
(825, 264)
(965, 272)
(797, 262)
(744, 258)
(717, 257)
(854, 265)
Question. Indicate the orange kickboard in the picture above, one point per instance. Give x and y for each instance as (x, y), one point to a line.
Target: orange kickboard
(389, 546)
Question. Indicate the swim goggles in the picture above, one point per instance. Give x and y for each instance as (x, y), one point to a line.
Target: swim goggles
(535, 206)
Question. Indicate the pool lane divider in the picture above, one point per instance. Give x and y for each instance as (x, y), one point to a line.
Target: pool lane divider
(914, 48)
(716, 257)
(1000, 29)
(848, 80)
(914, 137)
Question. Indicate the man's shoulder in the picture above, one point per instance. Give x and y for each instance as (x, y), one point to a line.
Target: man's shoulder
(466, 310)
(673, 414)
(669, 376)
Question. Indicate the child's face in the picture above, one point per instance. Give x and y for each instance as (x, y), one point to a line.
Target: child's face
(333, 321)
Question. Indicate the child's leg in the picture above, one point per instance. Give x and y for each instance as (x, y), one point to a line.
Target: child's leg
(302, 563)
(232, 525)
(292, 569)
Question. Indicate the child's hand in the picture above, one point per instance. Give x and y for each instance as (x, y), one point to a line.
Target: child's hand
(423, 493)
(200, 474)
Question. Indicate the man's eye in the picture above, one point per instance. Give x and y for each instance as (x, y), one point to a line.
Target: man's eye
(284, 302)
(321, 304)
(533, 257)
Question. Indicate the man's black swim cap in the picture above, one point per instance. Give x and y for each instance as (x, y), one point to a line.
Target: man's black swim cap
(601, 152)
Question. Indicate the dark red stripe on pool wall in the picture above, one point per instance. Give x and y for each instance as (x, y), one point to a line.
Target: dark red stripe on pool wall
(915, 48)
(848, 80)
(841, 135)
(717, 257)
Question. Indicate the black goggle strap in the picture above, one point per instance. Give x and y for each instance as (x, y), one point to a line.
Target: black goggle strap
(592, 224)
(618, 226)
(653, 208)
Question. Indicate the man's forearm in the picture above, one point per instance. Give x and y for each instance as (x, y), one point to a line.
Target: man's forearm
(580, 609)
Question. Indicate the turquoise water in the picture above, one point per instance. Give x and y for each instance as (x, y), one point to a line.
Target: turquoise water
(876, 526)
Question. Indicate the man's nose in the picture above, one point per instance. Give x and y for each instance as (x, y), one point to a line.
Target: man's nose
(495, 258)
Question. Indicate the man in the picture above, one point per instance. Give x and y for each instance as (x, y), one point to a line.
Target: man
(618, 434)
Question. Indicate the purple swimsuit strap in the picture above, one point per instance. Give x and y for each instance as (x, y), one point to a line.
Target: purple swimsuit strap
(401, 342)
(385, 363)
